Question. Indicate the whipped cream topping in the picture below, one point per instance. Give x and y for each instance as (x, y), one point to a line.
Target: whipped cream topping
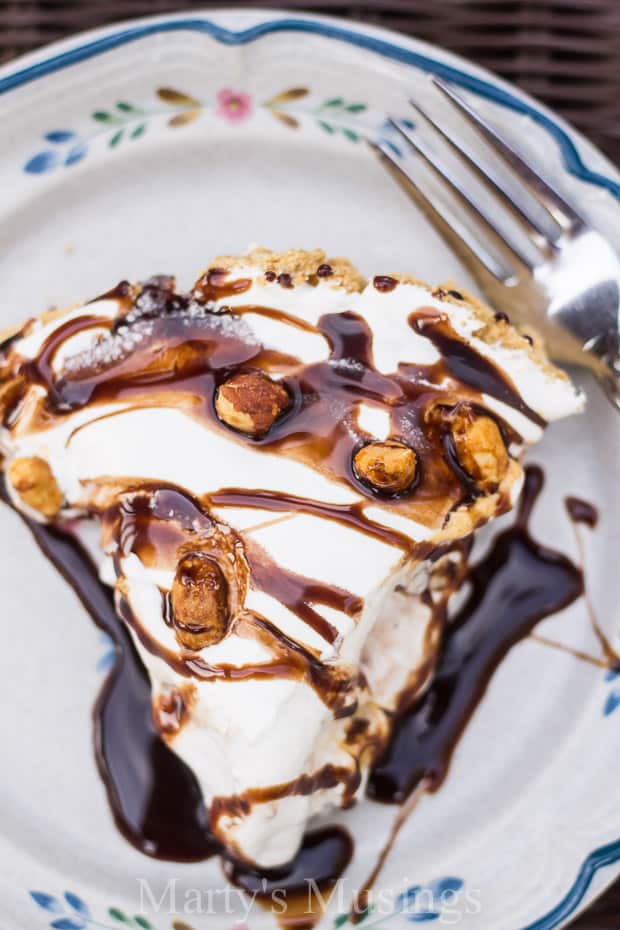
(542, 388)
(328, 577)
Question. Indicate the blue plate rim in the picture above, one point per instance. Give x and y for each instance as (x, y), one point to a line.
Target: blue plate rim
(570, 155)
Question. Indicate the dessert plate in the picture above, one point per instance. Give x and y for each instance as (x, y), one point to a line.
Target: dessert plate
(158, 143)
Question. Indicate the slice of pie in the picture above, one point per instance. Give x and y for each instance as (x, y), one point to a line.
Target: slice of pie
(283, 464)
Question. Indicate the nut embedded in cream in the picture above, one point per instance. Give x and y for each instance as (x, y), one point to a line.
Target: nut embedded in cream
(387, 466)
(251, 402)
(480, 448)
(199, 599)
(33, 480)
(287, 595)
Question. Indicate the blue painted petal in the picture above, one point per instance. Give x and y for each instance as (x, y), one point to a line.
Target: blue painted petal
(41, 162)
(387, 126)
(76, 154)
(423, 916)
(611, 675)
(611, 704)
(77, 904)
(408, 896)
(447, 885)
(58, 136)
(391, 145)
(68, 923)
(47, 901)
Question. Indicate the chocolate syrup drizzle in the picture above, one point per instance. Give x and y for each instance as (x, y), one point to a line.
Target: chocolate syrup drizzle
(466, 364)
(514, 587)
(178, 353)
(179, 359)
(157, 522)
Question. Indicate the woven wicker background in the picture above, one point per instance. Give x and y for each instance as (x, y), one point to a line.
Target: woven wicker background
(566, 52)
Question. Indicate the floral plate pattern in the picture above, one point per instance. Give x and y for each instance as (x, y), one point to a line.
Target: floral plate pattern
(125, 122)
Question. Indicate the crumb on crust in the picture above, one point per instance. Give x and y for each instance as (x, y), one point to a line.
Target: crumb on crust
(494, 329)
(500, 331)
(302, 266)
(467, 518)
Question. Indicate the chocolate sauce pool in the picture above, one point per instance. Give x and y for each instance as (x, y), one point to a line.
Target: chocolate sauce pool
(322, 859)
(154, 796)
(515, 586)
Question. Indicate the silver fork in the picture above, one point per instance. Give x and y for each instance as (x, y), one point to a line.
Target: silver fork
(566, 284)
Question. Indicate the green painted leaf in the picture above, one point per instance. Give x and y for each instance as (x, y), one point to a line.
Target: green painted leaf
(102, 116)
(116, 138)
(356, 108)
(125, 107)
(117, 914)
(340, 920)
(334, 102)
(326, 126)
(352, 136)
(138, 131)
(140, 921)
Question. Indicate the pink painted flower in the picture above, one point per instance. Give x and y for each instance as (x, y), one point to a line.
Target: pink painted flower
(233, 105)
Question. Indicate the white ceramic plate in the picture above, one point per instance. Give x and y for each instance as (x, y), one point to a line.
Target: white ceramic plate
(150, 147)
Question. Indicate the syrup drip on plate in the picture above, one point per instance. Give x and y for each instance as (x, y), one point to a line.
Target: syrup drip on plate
(296, 894)
(154, 796)
(514, 587)
(581, 511)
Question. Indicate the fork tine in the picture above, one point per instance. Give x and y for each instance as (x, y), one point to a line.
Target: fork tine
(562, 212)
(479, 257)
(547, 243)
(456, 186)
